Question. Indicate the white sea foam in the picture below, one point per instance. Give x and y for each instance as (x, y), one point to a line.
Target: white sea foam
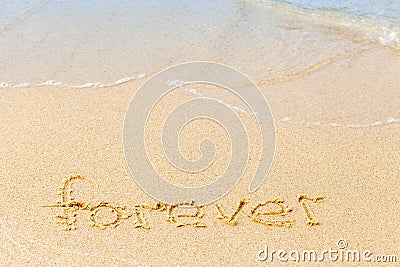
(289, 119)
(358, 18)
(389, 38)
(4, 85)
(58, 83)
(123, 80)
(22, 85)
(377, 123)
(86, 85)
(49, 83)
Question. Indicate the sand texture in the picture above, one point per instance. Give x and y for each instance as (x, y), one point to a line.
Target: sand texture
(327, 182)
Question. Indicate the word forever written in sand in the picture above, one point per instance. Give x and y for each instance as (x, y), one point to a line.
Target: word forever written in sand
(177, 213)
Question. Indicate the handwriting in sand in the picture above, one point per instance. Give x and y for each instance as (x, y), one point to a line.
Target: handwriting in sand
(175, 212)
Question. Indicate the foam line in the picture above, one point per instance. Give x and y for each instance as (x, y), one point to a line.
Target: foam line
(58, 83)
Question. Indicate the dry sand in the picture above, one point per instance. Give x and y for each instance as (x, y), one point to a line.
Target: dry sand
(49, 133)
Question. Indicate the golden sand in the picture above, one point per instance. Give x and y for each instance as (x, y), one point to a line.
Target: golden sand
(50, 133)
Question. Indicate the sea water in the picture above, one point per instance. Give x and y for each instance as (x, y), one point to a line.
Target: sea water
(85, 44)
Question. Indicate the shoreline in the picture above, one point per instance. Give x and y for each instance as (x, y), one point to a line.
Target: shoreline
(50, 132)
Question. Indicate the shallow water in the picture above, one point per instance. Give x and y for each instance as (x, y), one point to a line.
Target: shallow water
(81, 44)
(382, 10)
(78, 42)
(368, 20)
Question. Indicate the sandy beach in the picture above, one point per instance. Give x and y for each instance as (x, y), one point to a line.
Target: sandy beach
(69, 199)
(49, 133)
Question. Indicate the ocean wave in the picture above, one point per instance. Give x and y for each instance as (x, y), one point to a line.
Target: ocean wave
(357, 27)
